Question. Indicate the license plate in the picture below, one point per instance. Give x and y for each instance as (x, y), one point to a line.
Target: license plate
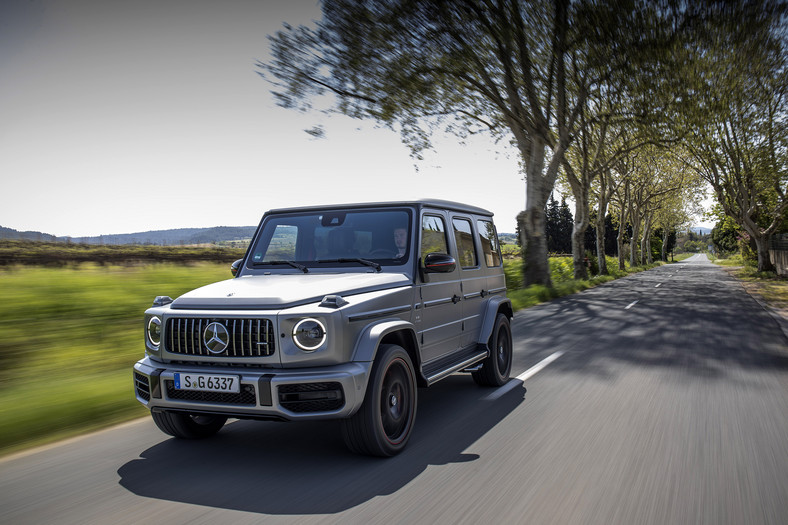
(207, 383)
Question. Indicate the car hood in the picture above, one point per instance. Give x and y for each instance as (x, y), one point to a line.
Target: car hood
(284, 290)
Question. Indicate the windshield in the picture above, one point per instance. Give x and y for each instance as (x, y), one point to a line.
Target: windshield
(335, 238)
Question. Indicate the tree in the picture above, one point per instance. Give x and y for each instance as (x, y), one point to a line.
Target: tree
(552, 226)
(725, 236)
(739, 135)
(622, 198)
(516, 69)
(565, 227)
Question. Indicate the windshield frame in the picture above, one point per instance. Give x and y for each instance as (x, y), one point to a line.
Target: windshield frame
(368, 232)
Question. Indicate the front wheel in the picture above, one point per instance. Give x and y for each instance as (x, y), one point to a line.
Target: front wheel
(383, 424)
(496, 368)
(188, 426)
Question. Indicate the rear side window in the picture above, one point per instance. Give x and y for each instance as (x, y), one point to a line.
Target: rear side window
(463, 235)
(433, 236)
(489, 239)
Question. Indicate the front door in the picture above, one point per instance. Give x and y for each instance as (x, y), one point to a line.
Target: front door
(439, 318)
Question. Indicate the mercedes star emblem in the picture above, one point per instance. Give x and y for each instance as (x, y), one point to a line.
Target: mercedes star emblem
(216, 338)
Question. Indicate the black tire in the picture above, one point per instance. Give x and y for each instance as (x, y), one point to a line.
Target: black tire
(496, 368)
(383, 424)
(188, 426)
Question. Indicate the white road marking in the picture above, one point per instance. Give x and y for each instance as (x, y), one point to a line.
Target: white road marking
(658, 285)
(517, 381)
(630, 305)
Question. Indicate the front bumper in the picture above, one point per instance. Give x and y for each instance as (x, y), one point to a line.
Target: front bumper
(291, 394)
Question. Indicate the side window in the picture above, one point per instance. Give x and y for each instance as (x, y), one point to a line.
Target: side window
(463, 235)
(433, 236)
(492, 254)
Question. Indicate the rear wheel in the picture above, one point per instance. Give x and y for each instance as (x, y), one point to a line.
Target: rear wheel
(188, 426)
(383, 424)
(496, 368)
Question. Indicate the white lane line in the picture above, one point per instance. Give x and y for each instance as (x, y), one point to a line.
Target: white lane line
(658, 285)
(630, 305)
(517, 381)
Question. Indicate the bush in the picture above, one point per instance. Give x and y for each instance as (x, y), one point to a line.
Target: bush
(58, 254)
(562, 269)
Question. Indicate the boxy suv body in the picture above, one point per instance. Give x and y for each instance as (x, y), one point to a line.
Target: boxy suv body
(334, 312)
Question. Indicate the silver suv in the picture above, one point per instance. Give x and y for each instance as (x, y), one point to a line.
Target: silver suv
(334, 312)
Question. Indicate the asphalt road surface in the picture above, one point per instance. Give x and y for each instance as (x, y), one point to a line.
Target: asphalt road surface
(659, 398)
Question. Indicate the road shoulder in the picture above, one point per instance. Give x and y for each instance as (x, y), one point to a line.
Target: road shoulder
(777, 309)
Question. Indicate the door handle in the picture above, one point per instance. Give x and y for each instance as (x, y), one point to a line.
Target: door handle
(455, 299)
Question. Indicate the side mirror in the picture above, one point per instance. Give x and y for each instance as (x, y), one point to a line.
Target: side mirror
(439, 263)
(236, 266)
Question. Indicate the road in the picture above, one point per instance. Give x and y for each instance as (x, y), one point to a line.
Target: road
(662, 398)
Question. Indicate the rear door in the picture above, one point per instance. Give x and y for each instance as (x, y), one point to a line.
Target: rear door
(473, 278)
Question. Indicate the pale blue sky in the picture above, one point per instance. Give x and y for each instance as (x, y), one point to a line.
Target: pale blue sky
(125, 116)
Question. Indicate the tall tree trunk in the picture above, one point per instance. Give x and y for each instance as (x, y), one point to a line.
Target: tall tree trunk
(579, 233)
(665, 237)
(620, 248)
(634, 260)
(762, 241)
(645, 241)
(600, 240)
(536, 267)
(623, 218)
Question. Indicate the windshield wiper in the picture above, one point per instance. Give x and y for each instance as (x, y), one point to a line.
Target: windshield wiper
(359, 260)
(289, 263)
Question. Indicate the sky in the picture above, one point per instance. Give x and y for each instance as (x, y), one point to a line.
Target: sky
(122, 116)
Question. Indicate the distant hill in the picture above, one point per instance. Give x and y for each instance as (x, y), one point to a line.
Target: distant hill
(700, 230)
(9, 233)
(507, 238)
(178, 236)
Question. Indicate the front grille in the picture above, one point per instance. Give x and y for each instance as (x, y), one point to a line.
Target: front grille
(142, 386)
(312, 397)
(245, 337)
(245, 397)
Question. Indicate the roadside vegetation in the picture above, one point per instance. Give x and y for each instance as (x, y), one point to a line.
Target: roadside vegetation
(562, 276)
(69, 338)
(770, 287)
(61, 254)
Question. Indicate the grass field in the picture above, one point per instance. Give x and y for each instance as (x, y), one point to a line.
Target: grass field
(69, 337)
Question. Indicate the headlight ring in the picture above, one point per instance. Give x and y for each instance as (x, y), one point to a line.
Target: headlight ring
(309, 334)
(153, 330)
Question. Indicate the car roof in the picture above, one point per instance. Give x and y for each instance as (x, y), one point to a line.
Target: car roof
(420, 203)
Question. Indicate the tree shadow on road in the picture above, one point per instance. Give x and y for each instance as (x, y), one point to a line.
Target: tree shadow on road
(702, 325)
(304, 468)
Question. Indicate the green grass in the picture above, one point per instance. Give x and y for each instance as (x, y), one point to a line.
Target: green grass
(564, 283)
(69, 339)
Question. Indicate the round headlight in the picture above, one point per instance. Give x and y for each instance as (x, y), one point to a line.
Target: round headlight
(309, 334)
(154, 330)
